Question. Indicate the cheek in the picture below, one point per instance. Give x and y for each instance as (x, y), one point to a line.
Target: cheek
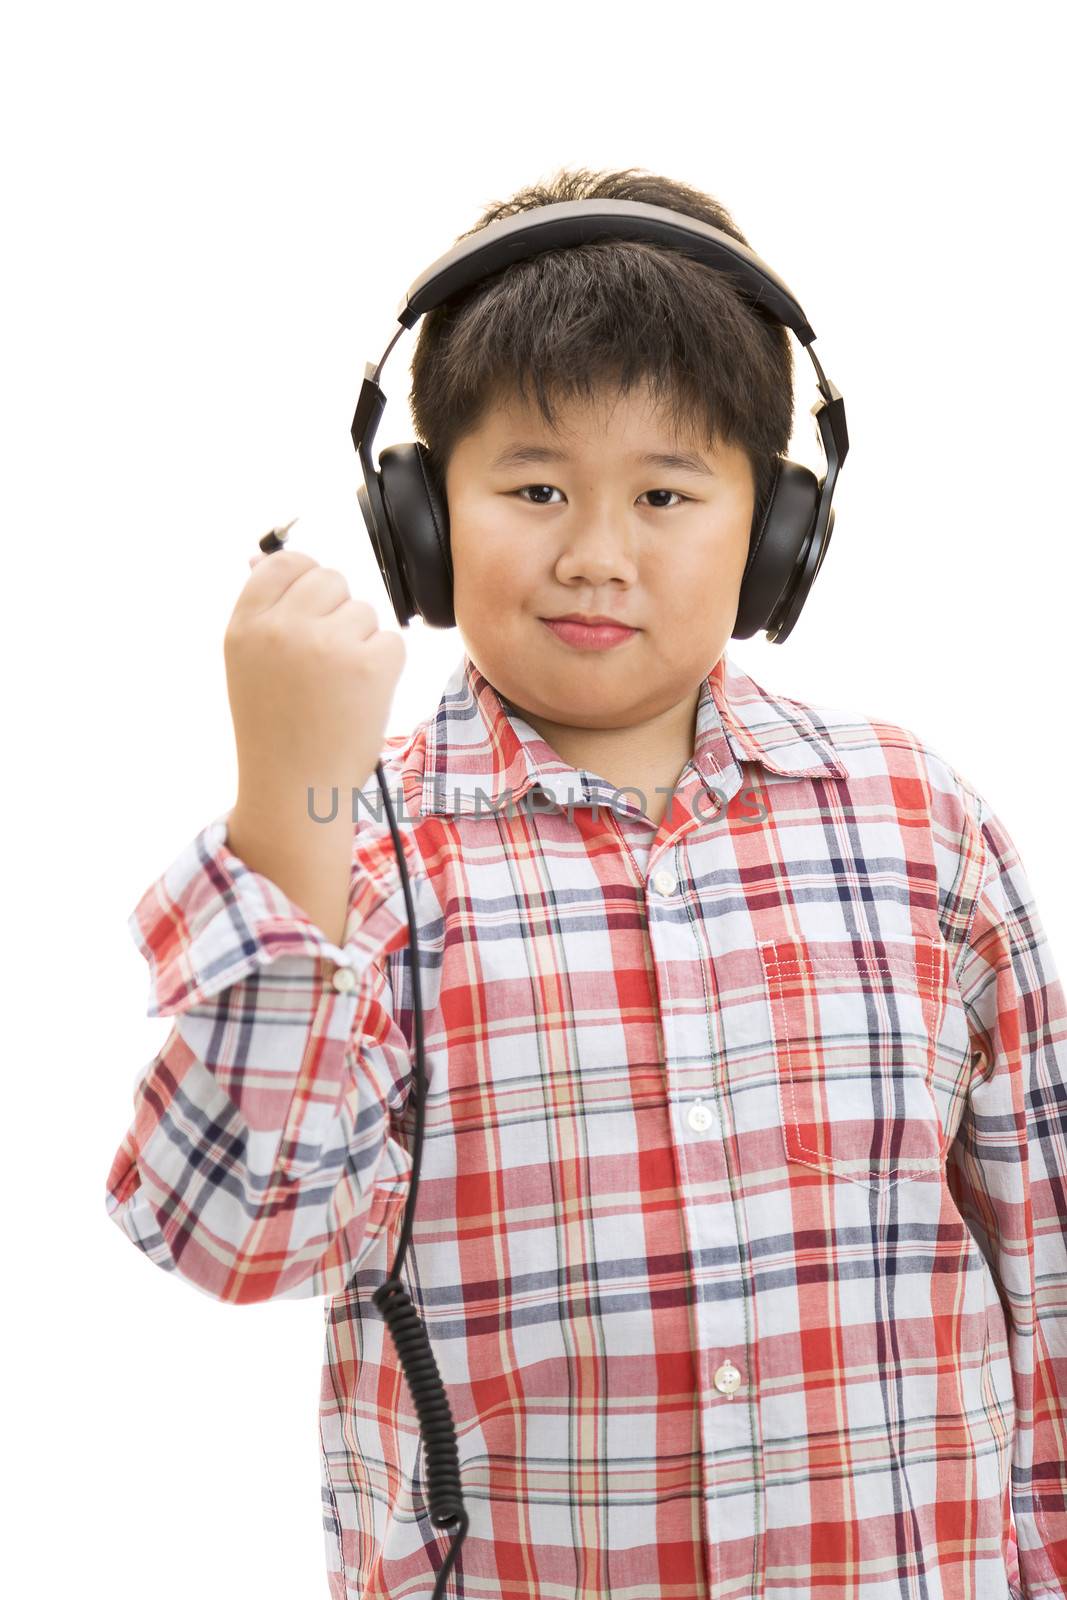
(491, 580)
(494, 560)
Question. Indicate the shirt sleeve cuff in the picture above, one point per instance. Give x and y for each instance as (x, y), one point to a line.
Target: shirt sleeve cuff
(209, 920)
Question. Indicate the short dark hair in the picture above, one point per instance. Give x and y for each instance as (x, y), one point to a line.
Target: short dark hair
(609, 313)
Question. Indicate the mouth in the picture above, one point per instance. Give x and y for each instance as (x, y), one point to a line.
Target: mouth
(589, 636)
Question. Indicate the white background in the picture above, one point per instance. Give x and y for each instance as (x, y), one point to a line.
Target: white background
(211, 213)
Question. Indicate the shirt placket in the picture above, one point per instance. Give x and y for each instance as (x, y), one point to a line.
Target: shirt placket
(724, 1339)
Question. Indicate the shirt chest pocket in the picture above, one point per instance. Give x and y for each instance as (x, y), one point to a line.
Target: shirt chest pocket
(855, 1046)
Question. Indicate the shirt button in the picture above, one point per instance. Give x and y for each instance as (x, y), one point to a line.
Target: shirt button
(344, 980)
(727, 1379)
(700, 1117)
(665, 881)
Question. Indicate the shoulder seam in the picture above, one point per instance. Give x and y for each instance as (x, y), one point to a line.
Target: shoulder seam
(965, 942)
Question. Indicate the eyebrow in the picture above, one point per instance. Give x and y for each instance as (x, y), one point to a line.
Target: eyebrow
(521, 454)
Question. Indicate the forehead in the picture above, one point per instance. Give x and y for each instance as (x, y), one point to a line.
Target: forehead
(629, 423)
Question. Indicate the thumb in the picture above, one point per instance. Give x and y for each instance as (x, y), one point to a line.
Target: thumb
(262, 556)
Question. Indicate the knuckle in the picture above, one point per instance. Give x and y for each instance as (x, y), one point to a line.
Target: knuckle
(322, 645)
(273, 632)
(235, 636)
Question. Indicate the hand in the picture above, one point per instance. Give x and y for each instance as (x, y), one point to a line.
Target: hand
(310, 678)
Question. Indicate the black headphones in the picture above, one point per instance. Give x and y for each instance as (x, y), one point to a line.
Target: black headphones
(406, 516)
(408, 525)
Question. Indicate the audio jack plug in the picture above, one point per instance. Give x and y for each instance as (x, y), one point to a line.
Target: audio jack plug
(275, 539)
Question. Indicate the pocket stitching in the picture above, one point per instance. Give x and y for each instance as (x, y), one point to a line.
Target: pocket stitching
(772, 963)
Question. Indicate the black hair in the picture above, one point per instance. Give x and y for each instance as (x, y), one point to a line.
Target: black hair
(608, 314)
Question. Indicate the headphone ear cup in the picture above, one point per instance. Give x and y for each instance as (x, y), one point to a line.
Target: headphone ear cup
(774, 571)
(418, 525)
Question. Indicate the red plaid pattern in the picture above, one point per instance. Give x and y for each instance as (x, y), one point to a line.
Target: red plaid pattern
(741, 1235)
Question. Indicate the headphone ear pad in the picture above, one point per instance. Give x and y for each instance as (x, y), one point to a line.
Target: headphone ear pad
(775, 547)
(418, 523)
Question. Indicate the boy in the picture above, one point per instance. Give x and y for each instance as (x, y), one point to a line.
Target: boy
(741, 1236)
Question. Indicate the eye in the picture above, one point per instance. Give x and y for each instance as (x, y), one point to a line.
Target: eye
(681, 498)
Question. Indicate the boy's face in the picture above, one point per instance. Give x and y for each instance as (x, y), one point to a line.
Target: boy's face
(604, 534)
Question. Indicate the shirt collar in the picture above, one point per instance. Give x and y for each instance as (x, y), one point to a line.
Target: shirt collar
(478, 751)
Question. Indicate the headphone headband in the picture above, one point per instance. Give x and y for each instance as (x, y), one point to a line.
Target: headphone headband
(569, 222)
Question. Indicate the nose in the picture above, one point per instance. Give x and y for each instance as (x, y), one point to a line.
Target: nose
(598, 549)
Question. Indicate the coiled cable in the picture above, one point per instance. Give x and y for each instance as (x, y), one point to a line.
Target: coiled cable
(392, 1299)
(395, 1304)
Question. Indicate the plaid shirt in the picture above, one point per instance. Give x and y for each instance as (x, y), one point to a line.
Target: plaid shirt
(741, 1232)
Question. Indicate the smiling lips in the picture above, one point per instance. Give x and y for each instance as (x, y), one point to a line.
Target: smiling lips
(581, 635)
